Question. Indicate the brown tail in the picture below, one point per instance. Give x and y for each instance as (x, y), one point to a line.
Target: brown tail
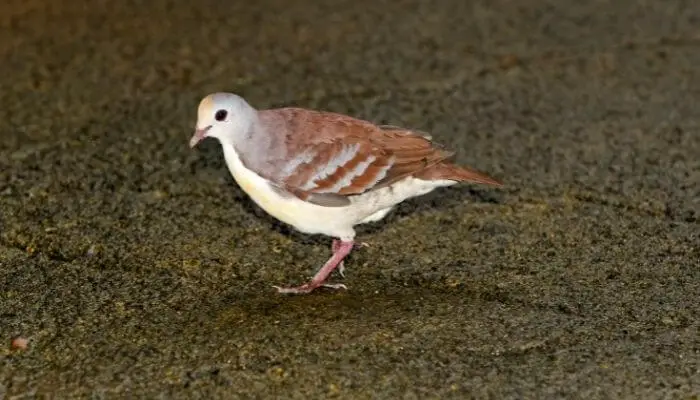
(456, 173)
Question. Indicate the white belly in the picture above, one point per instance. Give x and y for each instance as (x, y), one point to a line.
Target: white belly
(376, 216)
(332, 221)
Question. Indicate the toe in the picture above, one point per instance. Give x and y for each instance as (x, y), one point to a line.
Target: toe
(293, 290)
(335, 286)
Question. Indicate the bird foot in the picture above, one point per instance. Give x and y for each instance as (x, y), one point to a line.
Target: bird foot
(308, 288)
(340, 250)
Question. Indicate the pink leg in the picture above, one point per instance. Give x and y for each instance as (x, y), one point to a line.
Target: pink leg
(340, 250)
(334, 248)
(341, 265)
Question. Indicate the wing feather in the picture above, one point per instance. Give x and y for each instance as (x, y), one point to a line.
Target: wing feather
(330, 156)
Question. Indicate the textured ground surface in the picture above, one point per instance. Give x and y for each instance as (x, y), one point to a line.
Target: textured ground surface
(135, 265)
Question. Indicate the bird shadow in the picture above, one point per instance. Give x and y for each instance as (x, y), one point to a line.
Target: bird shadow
(373, 304)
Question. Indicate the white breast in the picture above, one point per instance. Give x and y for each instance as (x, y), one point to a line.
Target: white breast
(332, 221)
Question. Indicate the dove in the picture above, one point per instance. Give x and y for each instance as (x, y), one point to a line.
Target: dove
(323, 173)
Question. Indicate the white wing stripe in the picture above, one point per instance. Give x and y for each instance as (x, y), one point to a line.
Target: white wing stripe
(359, 169)
(303, 158)
(383, 172)
(346, 154)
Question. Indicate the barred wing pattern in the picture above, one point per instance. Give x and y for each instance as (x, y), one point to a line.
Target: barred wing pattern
(331, 156)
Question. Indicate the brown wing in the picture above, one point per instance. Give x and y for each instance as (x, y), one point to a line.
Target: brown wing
(332, 156)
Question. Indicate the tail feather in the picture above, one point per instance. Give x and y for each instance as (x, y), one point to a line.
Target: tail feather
(454, 172)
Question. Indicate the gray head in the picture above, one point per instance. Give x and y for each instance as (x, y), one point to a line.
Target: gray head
(224, 116)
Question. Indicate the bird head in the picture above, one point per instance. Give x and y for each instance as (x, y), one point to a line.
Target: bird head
(224, 116)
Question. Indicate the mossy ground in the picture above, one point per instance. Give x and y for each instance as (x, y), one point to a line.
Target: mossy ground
(136, 267)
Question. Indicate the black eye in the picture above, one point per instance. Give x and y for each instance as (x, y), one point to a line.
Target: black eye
(220, 115)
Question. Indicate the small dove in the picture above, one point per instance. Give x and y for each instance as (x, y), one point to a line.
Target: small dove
(323, 172)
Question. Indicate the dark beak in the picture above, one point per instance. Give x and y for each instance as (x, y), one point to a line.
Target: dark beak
(199, 134)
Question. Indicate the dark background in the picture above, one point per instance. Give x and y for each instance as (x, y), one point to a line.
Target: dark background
(135, 266)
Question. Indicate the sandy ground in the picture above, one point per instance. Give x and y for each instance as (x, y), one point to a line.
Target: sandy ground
(136, 268)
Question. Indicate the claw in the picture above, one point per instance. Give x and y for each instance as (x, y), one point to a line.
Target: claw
(335, 286)
(308, 288)
(340, 250)
(292, 290)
